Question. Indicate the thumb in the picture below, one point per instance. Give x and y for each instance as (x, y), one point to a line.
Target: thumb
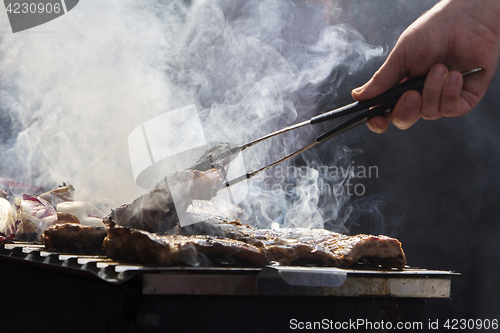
(389, 74)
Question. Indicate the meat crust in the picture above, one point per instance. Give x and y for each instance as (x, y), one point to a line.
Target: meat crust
(222, 242)
(301, 246)
(149, 249)
(156, 211)
(74, 238)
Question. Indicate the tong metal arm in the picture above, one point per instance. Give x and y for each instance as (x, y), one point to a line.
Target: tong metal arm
(376, 106)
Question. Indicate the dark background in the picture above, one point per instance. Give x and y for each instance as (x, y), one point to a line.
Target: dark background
(438, 184)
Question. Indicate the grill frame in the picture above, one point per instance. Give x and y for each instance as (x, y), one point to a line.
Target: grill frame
(96, 294)
(270, 280)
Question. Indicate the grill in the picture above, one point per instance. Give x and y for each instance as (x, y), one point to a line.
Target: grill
(118, 297)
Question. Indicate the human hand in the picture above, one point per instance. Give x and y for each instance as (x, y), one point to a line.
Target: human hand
(454, 36)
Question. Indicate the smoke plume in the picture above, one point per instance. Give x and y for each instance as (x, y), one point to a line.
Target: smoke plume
(73, 89)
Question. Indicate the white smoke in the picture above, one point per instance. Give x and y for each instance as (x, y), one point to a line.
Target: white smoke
(73, 89)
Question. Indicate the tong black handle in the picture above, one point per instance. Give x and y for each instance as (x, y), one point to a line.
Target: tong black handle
(357, 120)
(380, 105)
(391, 95)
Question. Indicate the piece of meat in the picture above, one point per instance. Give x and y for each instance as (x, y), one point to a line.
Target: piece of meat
(293, 253)
(287, 252)
(231, 243)
(67, 218)
(376, 251)
(156, 210)
(302, 246)
(153, 212)
(145, 248)
(74, 238)
(217, 157)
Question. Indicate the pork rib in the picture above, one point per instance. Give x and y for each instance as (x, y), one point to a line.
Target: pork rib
(156, 211)
(74, 238)
(301, 246)
(149, 249)
(376, 251)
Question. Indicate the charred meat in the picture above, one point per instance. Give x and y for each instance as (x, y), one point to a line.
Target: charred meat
(221, 242)
(74, 238)
(374, 250)
(316, 247)
(277, 248)
(145, 248)
(156, 210)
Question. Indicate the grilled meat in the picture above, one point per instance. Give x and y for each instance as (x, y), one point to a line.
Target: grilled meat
(67, 218)
(74, 238)
(156, 211)
(375, 250)
(309, 246)
(277, 248)
(153, 212)
(222, 242)
(217, 157)
(149, 249)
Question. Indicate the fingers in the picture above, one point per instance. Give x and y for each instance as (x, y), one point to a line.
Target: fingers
(431, 94)
(451, 102)
(389, 74)
(379, 124)
(379, 83)
(407, 110)
(441, 93)
(441, 96)
(404, 115)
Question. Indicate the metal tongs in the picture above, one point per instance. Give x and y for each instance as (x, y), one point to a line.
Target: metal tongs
(377, 106)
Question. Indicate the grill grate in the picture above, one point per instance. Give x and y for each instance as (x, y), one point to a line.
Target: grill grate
(271, 280)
